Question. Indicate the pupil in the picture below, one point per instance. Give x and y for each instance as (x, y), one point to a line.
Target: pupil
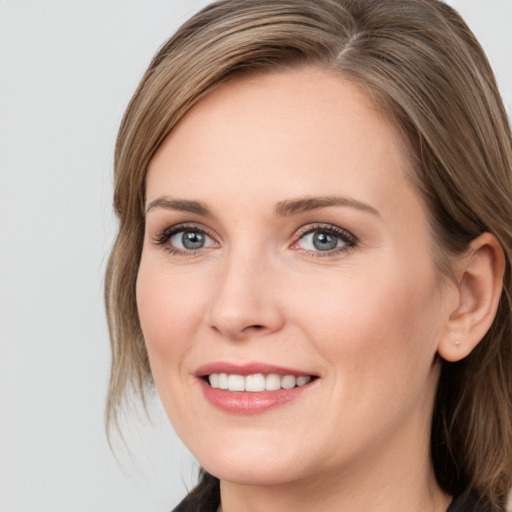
(324, 241)
(192, 240)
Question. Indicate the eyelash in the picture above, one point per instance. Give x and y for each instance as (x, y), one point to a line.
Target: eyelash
(162, 238)
(349, 240)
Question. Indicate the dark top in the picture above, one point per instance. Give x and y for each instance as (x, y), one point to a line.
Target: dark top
(466, 502)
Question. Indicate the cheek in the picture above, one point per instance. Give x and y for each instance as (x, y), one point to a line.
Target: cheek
(377, 334)
(374, 318)
(168, 311)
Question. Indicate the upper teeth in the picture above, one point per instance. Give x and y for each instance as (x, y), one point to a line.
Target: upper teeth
(256, 382)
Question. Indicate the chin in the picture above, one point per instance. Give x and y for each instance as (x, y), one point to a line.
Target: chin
(252, 473)
(252, 464)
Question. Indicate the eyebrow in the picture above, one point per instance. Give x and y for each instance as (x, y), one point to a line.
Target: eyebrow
(282, 209)
(292, 207)
(180, 205)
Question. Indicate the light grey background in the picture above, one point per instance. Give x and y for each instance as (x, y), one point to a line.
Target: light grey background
(67, 71)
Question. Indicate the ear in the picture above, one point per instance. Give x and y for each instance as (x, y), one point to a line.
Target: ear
(479, 281)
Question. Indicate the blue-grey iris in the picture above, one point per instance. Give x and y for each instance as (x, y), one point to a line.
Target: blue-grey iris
(324, 241)
(193, 240)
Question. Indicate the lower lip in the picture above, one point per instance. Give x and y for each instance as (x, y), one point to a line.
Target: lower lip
(247, 402)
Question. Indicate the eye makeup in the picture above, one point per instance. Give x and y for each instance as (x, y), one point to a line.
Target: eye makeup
(317, 239)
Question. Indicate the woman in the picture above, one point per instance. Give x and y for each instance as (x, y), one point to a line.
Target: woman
(313, 257)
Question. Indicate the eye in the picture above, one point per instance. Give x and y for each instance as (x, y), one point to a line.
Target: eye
(326, 239)
(190, 240)
(184, 240)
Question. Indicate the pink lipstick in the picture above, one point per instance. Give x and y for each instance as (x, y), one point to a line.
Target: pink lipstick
(251, 388)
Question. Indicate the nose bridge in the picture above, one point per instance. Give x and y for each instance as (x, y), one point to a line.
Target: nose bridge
(244, 302)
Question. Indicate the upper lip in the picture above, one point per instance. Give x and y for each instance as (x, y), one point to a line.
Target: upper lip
(247, 369)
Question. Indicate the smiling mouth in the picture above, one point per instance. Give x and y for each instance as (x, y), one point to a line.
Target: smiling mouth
(257, 382)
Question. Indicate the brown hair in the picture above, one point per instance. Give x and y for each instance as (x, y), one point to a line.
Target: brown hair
(424, 68)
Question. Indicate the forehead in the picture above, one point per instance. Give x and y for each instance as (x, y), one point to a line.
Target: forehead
(280, 134)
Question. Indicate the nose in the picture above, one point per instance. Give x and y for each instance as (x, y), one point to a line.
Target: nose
(245, 300)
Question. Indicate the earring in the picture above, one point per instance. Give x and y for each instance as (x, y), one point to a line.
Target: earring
(457, 343)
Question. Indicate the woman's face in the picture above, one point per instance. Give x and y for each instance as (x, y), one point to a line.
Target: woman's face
(284, 246)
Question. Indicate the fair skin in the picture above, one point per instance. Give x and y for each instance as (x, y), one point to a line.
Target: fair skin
(344, 291)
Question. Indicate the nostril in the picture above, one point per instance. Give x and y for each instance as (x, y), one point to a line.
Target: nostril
(254, 327)
(244, 331)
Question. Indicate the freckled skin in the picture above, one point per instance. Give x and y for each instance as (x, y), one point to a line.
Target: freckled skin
(366, 319)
